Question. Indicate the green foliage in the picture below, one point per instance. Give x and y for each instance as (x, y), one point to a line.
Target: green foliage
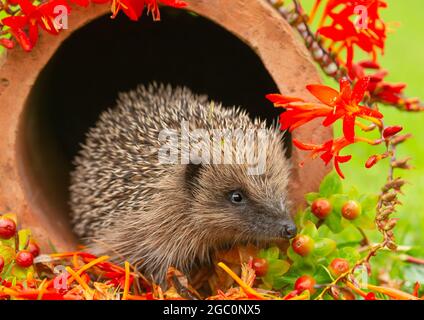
(332, 238)
(277, 267)
(8, 249)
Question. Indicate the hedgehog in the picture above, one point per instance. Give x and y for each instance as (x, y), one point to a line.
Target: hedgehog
(127, 203)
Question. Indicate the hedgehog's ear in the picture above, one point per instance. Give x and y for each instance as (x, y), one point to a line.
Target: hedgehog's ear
(192, 174)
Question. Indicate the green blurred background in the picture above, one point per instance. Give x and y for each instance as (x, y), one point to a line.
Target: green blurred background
(403, 58)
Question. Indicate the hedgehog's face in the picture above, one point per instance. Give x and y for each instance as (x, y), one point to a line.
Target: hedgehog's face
(264, 220)
(237, 206)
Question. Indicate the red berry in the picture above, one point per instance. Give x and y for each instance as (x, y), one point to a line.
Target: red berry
(391, 131)
(339, 266)
(305, 283)
(7, 228)
(303, 245)
(24, 259)
(372, 161)
(351, 210)
(260, 266)
(34, 249)
(1, 264)
(370, 296)
(321, 208)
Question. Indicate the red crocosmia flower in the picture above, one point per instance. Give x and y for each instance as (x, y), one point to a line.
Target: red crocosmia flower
(372, 161)
(417, 287)
(32, 17)
(334, 105)
(280, 100)
(384, 92)
(152, 6)
(298, 112)
(7, 43)
(346, 105)
(391, 131)
(327, 151)
(344, 29)
(370, 296)
(134, 8)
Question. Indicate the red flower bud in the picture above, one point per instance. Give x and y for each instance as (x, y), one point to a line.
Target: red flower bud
(371, 162)
(34, 249)
(391, 131)
(338, 266)
(260, 266)
(24, 259)
(7, 43)
(368, 64)
(305, 283)
(321, 208)
(370, 296)
(303, 245)
(7, 228)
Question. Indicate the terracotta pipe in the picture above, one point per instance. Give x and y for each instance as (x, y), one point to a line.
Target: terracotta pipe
(255, 22)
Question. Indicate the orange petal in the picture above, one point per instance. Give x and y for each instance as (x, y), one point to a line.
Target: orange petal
(359, 89)
(325, 94)
(349, 127)
(279, 99)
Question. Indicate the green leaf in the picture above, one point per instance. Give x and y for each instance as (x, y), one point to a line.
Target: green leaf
(324, 231)
(270, 253)
(280, 282)
(24, 237)
(310, 229)
(8, 253)
(21, 273)
(323, 247)
(323, 275)
(293, 256)
(8, 242)
(353, 193)
(302, 216)
(334, 222)
(278, 267)
(331, 185)
(368, 210)
(304, 266)
(337, 201)
(268, 282)
(350, 254)
(310, 197)
(368, 203)
(365, 222)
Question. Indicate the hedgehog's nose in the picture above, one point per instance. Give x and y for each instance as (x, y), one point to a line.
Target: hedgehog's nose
(289, 231)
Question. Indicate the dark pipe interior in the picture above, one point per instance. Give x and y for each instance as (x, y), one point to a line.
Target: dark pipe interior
(108, 56)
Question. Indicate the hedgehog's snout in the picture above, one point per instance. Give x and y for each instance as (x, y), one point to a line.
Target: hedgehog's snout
(287, 227)
(288, 230)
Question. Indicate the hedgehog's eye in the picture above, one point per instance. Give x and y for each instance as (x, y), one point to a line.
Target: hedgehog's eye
(237, 197)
